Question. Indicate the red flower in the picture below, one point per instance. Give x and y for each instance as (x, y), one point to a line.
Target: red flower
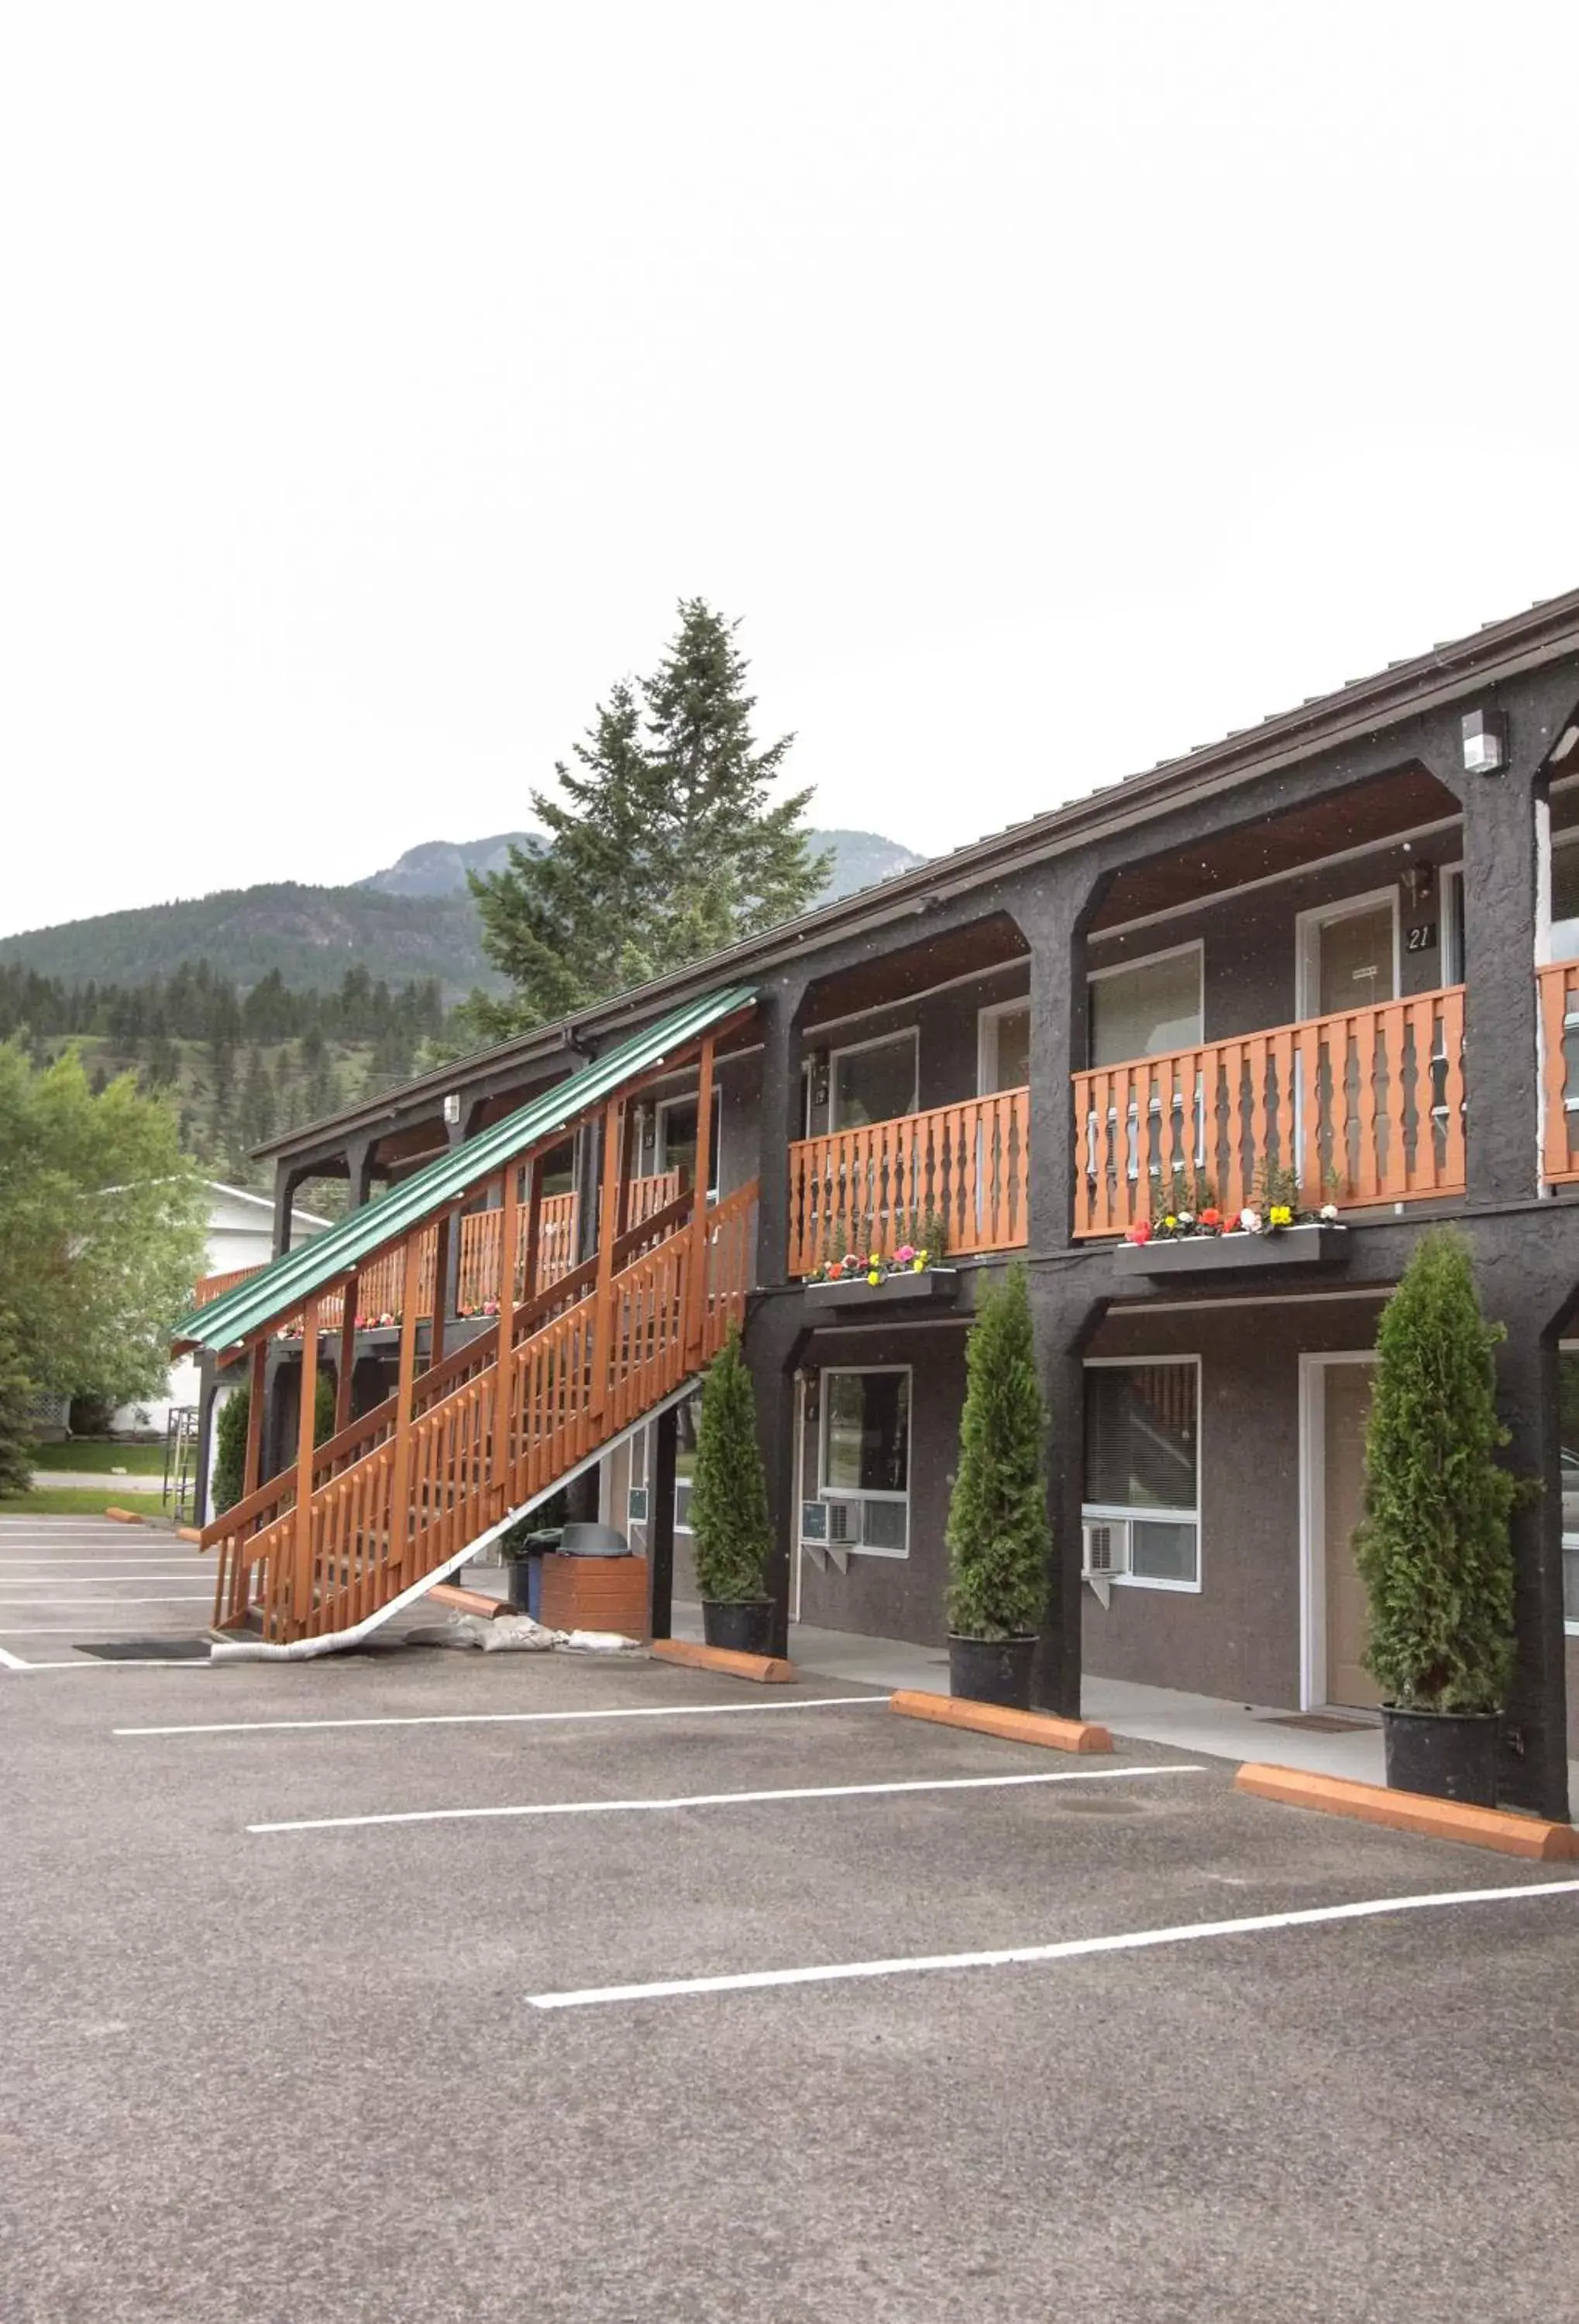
(1140, 1232)
(1211, 1218)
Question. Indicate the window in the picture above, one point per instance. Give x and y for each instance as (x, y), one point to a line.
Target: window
(1004, 1048)
(864, 1453)
(1568, 1407)
(1147, 1008)
(874, 1082)
(1564, 939)
(1142, 1463)
(677, 1140)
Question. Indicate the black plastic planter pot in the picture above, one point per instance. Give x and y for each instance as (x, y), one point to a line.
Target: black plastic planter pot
(743, 1625)
(1450, 1754)
(991, 1670)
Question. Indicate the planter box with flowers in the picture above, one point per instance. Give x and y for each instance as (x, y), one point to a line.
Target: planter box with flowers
(909, 1277)
(1205, 1242)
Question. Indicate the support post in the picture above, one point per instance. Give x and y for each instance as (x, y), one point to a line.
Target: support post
(446, 1236)
(614, 1155)
(697, 1300)
(499, 1471)
(399, 1509)
(207, 1385)
(534, 1226)
(350, 1294)
(663, 1441)
(301, 1570)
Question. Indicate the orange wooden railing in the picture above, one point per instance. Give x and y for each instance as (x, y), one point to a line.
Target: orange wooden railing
(1559, 1072)
(1366, 1106)
(479, 1279)
(586, 1358)
(215, 1287)
(869, 1189)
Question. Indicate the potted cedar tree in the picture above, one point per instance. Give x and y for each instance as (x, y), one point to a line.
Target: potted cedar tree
(1433, 1546)
(732, 1537)
(999, 1538)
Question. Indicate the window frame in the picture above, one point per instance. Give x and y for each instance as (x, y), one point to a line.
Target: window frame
(988, 1019)
(1197, 944)
(1098, 1511)
(1308, 927)
(1570, 1621)
(910, 1033)
(827, 1374)
(660, 1113)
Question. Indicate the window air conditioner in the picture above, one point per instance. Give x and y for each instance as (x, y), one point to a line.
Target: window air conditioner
(845, 1527)
(1105, 1548)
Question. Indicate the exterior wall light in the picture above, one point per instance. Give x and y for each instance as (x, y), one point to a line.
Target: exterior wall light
(1485, 742)
(452, 1107)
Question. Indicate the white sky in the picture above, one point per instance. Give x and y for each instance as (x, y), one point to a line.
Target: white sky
(1051, 387)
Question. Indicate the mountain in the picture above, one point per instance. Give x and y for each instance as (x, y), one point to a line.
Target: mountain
(414, 919)
(439, 867)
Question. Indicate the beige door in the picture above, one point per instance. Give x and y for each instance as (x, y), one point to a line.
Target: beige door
(1354, 960)
(1346, 1406)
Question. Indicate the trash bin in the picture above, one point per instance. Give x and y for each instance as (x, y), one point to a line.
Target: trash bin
(526, 1571)
(584, 1540)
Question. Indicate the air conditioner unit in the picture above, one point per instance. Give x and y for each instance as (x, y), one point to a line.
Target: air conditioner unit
(844, 1522)
(1105, 1548)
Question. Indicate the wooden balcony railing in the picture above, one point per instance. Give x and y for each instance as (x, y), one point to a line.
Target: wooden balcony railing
(1559, 1072)
(1366, 1106)
(968, 1165)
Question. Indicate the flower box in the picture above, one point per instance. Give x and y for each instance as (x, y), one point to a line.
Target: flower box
(1319, 1244)
(931, 1286)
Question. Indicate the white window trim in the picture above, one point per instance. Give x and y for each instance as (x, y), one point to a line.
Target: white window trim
(1570, 1625)
(987, 1022)
(825, 1491)
(1307, 925)
(661, 1112)
(1313, 1371)
(1101, 1509)
(911, 1033)
(1197, 944)
(1450, 936)
(1549, 842)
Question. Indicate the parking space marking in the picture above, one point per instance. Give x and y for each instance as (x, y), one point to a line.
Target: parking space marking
(525, 1717)
(1015, 1956)
(13, 1662)
(725, 1799)
(187, 1597)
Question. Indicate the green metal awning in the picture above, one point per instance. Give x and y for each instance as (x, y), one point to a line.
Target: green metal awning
(281, 1286)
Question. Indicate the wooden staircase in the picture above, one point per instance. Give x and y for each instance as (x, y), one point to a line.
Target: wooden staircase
(401, 1493)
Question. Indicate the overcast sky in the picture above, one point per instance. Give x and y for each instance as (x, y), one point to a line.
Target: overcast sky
(1049, 387)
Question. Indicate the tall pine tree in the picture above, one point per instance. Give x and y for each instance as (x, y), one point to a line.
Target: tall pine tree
(662, 845)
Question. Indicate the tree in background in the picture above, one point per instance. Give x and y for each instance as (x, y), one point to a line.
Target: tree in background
(15, 1425)
(662, 845)
(101, 1233)
(230, 1439)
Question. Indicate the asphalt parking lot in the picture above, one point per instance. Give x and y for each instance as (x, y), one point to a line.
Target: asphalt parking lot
(428, 1984)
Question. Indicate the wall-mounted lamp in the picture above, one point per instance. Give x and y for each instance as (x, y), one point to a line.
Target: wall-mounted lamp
(1416, 882)
(452, 1107)
(819, 1078)
(1485, 742)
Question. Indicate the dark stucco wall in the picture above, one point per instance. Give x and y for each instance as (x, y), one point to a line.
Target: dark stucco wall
(892, 1597)
(1573, 1673)
(1239, 1636)
(1251, 941)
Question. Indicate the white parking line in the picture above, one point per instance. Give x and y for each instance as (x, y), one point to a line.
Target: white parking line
(13, 1662)
(725, 1799)
(116, 1662)
(1071, 1948)
(526, 1718)
(187, 1598)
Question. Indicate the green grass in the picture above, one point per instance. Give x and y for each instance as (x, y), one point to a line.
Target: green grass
(73, 1502)
(91, 1456)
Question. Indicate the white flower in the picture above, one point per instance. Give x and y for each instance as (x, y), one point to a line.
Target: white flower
(1249, 1221)
(1329, 1211)
(1187, 1218)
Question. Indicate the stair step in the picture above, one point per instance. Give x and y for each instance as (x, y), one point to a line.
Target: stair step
(468, 1601)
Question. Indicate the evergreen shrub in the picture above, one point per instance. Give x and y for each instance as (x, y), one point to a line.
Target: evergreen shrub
(730, 1529)
(998, 1537)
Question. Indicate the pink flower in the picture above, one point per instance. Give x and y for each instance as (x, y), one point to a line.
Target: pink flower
(1140, 1232)
(905, 1253)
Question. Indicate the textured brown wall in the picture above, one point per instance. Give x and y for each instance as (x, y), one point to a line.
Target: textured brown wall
(1239, 1636)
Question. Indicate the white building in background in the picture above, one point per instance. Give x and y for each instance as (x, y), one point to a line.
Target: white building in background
(240, 1234)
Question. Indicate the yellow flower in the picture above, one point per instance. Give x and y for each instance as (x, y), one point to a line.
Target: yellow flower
(1280, 1214)
(918, 1264)
(1170, 1220)
(921, 1257)
(875, 1275)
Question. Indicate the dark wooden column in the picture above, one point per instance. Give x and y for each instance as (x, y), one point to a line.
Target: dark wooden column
(663, 1442)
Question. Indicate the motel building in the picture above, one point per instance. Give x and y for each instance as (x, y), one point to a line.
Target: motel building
(1331, 963)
